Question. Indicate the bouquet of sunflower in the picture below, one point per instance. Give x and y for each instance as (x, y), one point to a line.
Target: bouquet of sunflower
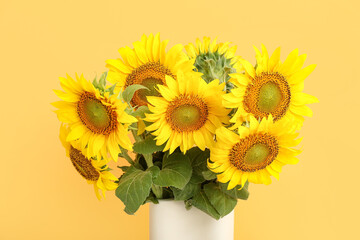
(204, 122)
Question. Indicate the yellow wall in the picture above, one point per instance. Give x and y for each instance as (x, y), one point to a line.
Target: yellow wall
(41, 195)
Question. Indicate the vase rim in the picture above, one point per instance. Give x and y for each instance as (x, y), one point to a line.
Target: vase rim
(168, 200)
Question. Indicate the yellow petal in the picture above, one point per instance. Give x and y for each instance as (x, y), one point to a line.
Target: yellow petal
(69, 97)
(172, 84)
(141, 127)
(285, 68)
(301, 98)
(113, 146)
(173, 55)
(156, 47)
(76, 133)
(175, 142)
(140, 52)
(199, 140)
(265, 177)
(129, 56)
(227, 175)
(98, 143)
(248, 67)
(235, 180)
(265, 57)
(119, 65)
(302, 110)
(227, 136)
(162, 53)
(300, 76)
(240, 79)
(272, 172)
(274, 60)
(166, 93)
(149, 47)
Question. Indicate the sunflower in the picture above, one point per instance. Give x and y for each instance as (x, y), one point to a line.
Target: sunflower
(99, 123)
(187, 113)
(94, 171)
(272, 88)
(254, 155)
(147, 64)
(214, 60)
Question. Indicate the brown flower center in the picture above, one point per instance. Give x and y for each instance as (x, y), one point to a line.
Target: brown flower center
(254, 152)
(149, 75)
(187, 113)
(269, 93)
(83, 165)
(97, 117)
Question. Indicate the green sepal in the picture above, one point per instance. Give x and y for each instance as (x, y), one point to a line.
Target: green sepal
(214, 65)
(95, 83)
(102, 80)
(101, 83)
(111, 89)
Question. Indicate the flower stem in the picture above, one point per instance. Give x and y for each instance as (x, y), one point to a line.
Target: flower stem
(124, 154)
(137, 138)
(149, 160)
(158, 191)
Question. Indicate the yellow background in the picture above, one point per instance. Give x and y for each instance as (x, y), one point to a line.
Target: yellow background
(42, 196)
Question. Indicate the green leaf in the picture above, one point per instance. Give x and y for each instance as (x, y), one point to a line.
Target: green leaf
(198, 159)
(196, 178)
(124, 168)
(129, 170)
(167, 193)
(202, 202)
(235, 193)
(140, 112)
(158, 191)
(209, 175)
(222, 202)
(155, 170)
(128, 93)
(147, 146)
(176, 171)
(190, 190)
(152, 198)
(134, 188)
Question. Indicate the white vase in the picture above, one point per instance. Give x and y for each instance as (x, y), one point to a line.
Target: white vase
(169, 220)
